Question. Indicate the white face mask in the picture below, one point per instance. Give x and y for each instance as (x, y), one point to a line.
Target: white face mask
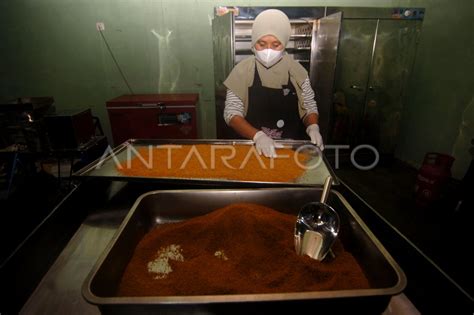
(268, 57)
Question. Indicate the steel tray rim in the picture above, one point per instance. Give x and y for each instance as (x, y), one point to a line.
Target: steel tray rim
(86, 170)
(240, 298)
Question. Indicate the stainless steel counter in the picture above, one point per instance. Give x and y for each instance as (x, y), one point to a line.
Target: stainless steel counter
(59, 292)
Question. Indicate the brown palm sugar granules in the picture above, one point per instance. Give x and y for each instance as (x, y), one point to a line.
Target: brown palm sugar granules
(205, 161)
(238, 249)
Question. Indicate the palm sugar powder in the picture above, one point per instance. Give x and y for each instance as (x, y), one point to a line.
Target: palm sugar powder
(206, 161)
(238, 249)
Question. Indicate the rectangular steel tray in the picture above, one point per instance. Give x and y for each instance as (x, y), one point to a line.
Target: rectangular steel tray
(157, 207)
(105, 166)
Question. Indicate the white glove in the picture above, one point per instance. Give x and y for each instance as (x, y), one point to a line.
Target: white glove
(313, 133)
(265, 144)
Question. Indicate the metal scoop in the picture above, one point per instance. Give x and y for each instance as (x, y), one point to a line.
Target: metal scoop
(317, 226)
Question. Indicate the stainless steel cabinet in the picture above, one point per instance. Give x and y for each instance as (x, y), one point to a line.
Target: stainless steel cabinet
(374, 64)
(359, 61)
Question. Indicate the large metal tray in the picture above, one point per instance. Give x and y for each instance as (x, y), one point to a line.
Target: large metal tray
(105, 166)
(157, 207)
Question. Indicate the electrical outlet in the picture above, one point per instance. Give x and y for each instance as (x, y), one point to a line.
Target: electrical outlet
(100, 26)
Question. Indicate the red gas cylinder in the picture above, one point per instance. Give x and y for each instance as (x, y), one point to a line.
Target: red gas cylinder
(432, 177)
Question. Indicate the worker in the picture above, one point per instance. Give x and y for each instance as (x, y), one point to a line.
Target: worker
(269, 95)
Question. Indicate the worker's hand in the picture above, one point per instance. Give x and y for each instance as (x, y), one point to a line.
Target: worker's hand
(265, 144)
(313, 133)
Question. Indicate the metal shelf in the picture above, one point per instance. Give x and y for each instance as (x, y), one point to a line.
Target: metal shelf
(248, 38)
(248, 51)
(299, 21)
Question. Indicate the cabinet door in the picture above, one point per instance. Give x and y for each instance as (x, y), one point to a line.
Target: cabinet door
(373, 68)
(393, 59)
(352, 73)
(324, 47)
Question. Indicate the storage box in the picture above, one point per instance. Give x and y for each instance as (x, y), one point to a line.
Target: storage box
(69, 129)
(153, 116)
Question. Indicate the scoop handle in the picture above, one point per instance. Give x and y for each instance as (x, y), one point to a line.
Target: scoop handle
(326, 189)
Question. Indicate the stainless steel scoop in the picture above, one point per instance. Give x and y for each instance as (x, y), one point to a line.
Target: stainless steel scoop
(317, 226)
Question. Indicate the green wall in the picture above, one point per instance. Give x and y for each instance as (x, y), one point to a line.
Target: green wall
(439, 115)
(52, 47)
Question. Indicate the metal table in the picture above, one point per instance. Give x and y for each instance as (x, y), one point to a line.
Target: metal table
(59, 292)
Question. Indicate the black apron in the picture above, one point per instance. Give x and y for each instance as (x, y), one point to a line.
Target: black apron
(274, 111)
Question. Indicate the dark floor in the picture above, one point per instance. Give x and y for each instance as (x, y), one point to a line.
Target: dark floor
(438, 229)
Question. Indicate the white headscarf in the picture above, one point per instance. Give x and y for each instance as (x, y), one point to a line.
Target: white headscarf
(271, 22)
